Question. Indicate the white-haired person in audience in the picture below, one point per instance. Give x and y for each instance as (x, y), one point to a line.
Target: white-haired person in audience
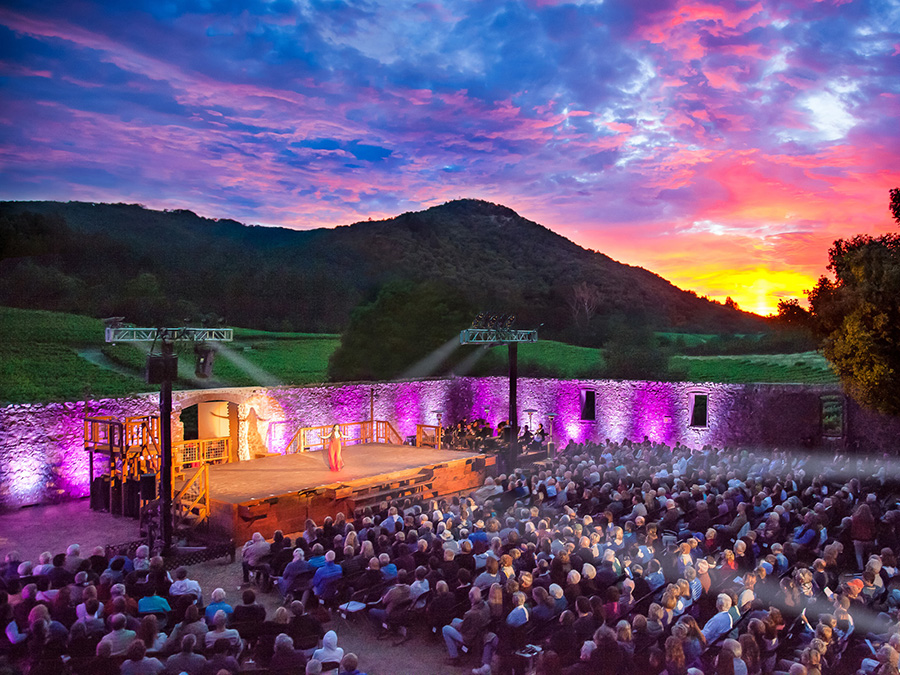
(220, 631)
(285, 658)
(721, 622)
(218, 603)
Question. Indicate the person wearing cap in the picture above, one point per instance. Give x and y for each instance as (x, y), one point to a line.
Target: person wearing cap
(448, 542)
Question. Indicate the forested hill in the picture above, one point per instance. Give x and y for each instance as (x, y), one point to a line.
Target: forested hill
(155, 266)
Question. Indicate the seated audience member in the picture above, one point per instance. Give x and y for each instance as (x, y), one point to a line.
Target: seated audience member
(218, 603)
(253, 554)
(138, 663)
(329, 652)
(286, 660)
(249, 611)
(191, 624)
(219, 658)
(185, 586)
(292, 570)
(350, 665)
(221, 632)
(119, 638)
(150, 634)
(186, 661)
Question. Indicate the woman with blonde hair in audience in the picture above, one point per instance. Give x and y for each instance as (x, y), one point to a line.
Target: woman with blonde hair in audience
(669, 602)
(495, 601)
(625, 638)
(367, 551)
(811, 658)
(655, 618)
(683, 600)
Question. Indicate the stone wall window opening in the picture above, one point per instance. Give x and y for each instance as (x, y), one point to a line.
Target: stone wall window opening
(832, 416)
(588, 405)
(699, 410)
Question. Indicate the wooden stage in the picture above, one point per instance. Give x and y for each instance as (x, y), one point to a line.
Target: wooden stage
(280, 492)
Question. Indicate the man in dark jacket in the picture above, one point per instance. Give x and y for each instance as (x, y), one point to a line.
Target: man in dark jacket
(470, 629)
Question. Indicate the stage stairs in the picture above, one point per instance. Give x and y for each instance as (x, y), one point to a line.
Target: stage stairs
(418, 487)
(190, 502)
(130, 452)
(129, 482)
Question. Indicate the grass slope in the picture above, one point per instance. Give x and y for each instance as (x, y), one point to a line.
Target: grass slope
(39, 361)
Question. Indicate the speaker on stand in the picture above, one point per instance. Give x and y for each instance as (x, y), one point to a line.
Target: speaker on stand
(148, 487)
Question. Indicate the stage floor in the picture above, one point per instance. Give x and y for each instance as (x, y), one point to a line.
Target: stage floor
(255, 479)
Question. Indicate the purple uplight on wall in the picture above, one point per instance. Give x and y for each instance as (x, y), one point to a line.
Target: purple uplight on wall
(651, 404)
(41, 446)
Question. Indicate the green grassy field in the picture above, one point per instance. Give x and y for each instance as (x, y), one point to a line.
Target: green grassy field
(39, 359)
(565, 360)
(802, 368)
(43, 357)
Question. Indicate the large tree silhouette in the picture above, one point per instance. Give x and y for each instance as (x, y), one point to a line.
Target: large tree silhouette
(858, 315)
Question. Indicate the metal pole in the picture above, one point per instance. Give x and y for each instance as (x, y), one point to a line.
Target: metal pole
(513, 403)
(165, 438)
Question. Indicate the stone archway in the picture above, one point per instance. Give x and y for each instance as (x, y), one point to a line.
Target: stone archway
(253, 416)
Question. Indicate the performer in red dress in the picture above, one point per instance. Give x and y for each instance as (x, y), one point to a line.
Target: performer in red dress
(335, 461)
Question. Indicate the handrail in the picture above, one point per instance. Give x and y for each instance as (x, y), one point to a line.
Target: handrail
(203, 451)
(386, 433)
(102, 431)
(198, 494)
(428, 436)
(307, 439)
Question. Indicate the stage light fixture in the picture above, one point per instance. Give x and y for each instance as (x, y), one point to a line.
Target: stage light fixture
(206, 354)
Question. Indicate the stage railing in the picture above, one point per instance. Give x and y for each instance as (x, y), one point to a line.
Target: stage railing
(428, 436)
(308, 439)
(200, 452)
(132, 446)
(191, 501)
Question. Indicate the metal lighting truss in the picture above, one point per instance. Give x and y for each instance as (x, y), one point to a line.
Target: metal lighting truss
(124, 334)
(493, 336)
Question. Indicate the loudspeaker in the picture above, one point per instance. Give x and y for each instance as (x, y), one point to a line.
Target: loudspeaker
(148, 487)
(115, 498)
(100, 494)
(161, 368)
(131, 506)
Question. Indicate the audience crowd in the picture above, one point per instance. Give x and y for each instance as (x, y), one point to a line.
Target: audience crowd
(604, 558)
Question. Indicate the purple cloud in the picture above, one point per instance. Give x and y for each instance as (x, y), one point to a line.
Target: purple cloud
(757, 130)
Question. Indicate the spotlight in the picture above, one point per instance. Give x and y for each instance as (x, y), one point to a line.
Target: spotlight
(206, 354)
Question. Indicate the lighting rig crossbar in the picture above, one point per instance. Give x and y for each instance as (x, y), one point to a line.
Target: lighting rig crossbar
(490, 328)
(493, 336)
(162, 369)
(126, 334)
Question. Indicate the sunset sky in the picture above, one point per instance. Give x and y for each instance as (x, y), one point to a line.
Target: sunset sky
(722, 145)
